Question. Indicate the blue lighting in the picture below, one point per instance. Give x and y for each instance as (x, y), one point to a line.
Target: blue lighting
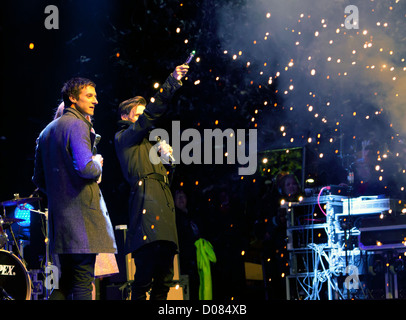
(23, 212)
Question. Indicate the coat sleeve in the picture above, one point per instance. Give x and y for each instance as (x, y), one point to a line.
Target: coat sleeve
(81, 150)
(153, 111)
(38, 177)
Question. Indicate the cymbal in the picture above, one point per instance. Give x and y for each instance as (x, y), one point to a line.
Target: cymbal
(7, 220)
(17, 201)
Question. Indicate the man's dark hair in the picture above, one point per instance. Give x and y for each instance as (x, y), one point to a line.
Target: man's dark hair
(126, 106)
(73, 87)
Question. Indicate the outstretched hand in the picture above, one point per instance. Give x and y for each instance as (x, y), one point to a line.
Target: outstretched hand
(180, 71)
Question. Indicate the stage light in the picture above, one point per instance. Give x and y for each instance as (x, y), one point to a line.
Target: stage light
(23, 212)
(310, 181)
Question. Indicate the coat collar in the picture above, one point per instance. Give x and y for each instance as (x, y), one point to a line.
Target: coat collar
(78, 115)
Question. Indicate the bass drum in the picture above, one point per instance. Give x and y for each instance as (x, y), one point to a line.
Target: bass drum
(15, 283)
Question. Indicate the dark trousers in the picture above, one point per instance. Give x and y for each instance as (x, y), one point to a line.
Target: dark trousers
(154, 270)
(77, 276)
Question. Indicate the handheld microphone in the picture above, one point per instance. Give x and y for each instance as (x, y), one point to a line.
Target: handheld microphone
(189, 59)
(97, 139)
(169, 155)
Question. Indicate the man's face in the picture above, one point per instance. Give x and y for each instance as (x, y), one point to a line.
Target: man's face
(134, 113)
(86, 102)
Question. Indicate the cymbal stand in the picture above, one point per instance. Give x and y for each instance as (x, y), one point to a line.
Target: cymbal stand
(14, 239)
(3, 235)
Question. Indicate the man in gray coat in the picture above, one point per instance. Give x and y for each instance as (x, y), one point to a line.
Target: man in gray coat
(67, 172)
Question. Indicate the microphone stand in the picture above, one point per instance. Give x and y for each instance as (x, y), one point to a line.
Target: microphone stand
(47, 255)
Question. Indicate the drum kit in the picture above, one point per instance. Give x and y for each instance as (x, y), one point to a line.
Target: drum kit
(15, 281)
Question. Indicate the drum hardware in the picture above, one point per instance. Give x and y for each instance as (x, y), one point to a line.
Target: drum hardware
(5, 223)
(9, 221)
(15, 283)
(18, 201)
(19, 252)
(3, 234)
(4, 295)
(48, 263)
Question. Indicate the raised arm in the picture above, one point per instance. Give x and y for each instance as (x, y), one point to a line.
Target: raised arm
(154, 109)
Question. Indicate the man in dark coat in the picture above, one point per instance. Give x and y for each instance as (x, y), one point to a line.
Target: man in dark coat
(67, 172)
(152, 237)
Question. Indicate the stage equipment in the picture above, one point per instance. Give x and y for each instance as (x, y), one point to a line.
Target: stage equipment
(22, 212)
(381, 222)
(3, 234)
(7, 221)
(47, 270)
(15, 283)
(311, 236)
(335, 243)
(19, 201)
(50, 270)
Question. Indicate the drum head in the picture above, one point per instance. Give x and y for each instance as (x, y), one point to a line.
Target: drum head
(14, 278)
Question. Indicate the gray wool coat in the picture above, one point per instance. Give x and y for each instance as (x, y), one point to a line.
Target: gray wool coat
(65, 172)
